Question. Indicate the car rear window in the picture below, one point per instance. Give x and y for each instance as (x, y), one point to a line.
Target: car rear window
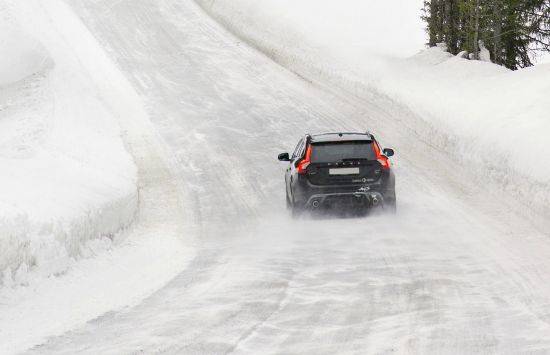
(337, 151)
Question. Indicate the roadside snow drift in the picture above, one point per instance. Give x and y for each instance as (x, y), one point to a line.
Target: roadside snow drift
(77, 240)
(22, 56)
(479, 112)
(65, 178)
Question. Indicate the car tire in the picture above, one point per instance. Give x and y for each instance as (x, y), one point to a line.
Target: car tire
(295, 210)
(288, 204)
(391, 206)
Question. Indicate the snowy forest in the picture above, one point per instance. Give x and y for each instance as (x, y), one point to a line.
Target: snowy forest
(511, 32)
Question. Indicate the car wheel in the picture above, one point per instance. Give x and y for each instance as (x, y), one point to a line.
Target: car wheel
(288, 204)
(295, 210)
(391, 206)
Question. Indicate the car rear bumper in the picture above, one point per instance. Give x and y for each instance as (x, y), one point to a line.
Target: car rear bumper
(354, 199)
(312, 196)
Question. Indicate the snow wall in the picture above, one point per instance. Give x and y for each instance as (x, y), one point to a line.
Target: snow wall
(492, 120)
(67, 183)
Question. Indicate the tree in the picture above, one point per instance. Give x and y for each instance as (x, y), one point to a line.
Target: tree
(443, 23)
(497, 31)
(513, 30)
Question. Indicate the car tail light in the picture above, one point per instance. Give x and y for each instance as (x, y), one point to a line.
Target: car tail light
(304, 163)
(382, 159)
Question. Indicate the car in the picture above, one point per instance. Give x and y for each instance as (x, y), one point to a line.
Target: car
(339, 171)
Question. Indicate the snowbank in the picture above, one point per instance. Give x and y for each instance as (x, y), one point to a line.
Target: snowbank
(67, 184)
(491, 120)
(21, 56)
(66, 180)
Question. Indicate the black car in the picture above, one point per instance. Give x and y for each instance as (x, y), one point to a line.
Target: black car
(340, 171)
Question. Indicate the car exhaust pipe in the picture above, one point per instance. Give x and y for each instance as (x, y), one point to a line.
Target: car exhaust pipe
(375, 200)
(315, 204)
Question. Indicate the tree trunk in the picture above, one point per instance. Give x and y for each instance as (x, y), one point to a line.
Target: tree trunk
(497, 32)
(430, 16)
(476, 31)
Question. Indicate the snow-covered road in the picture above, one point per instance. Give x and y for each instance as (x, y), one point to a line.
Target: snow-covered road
(461, 268)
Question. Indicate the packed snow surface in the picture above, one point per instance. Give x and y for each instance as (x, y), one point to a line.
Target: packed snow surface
(215, 264)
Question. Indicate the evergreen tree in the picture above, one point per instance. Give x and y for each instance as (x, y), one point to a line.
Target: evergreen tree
(513, 30)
